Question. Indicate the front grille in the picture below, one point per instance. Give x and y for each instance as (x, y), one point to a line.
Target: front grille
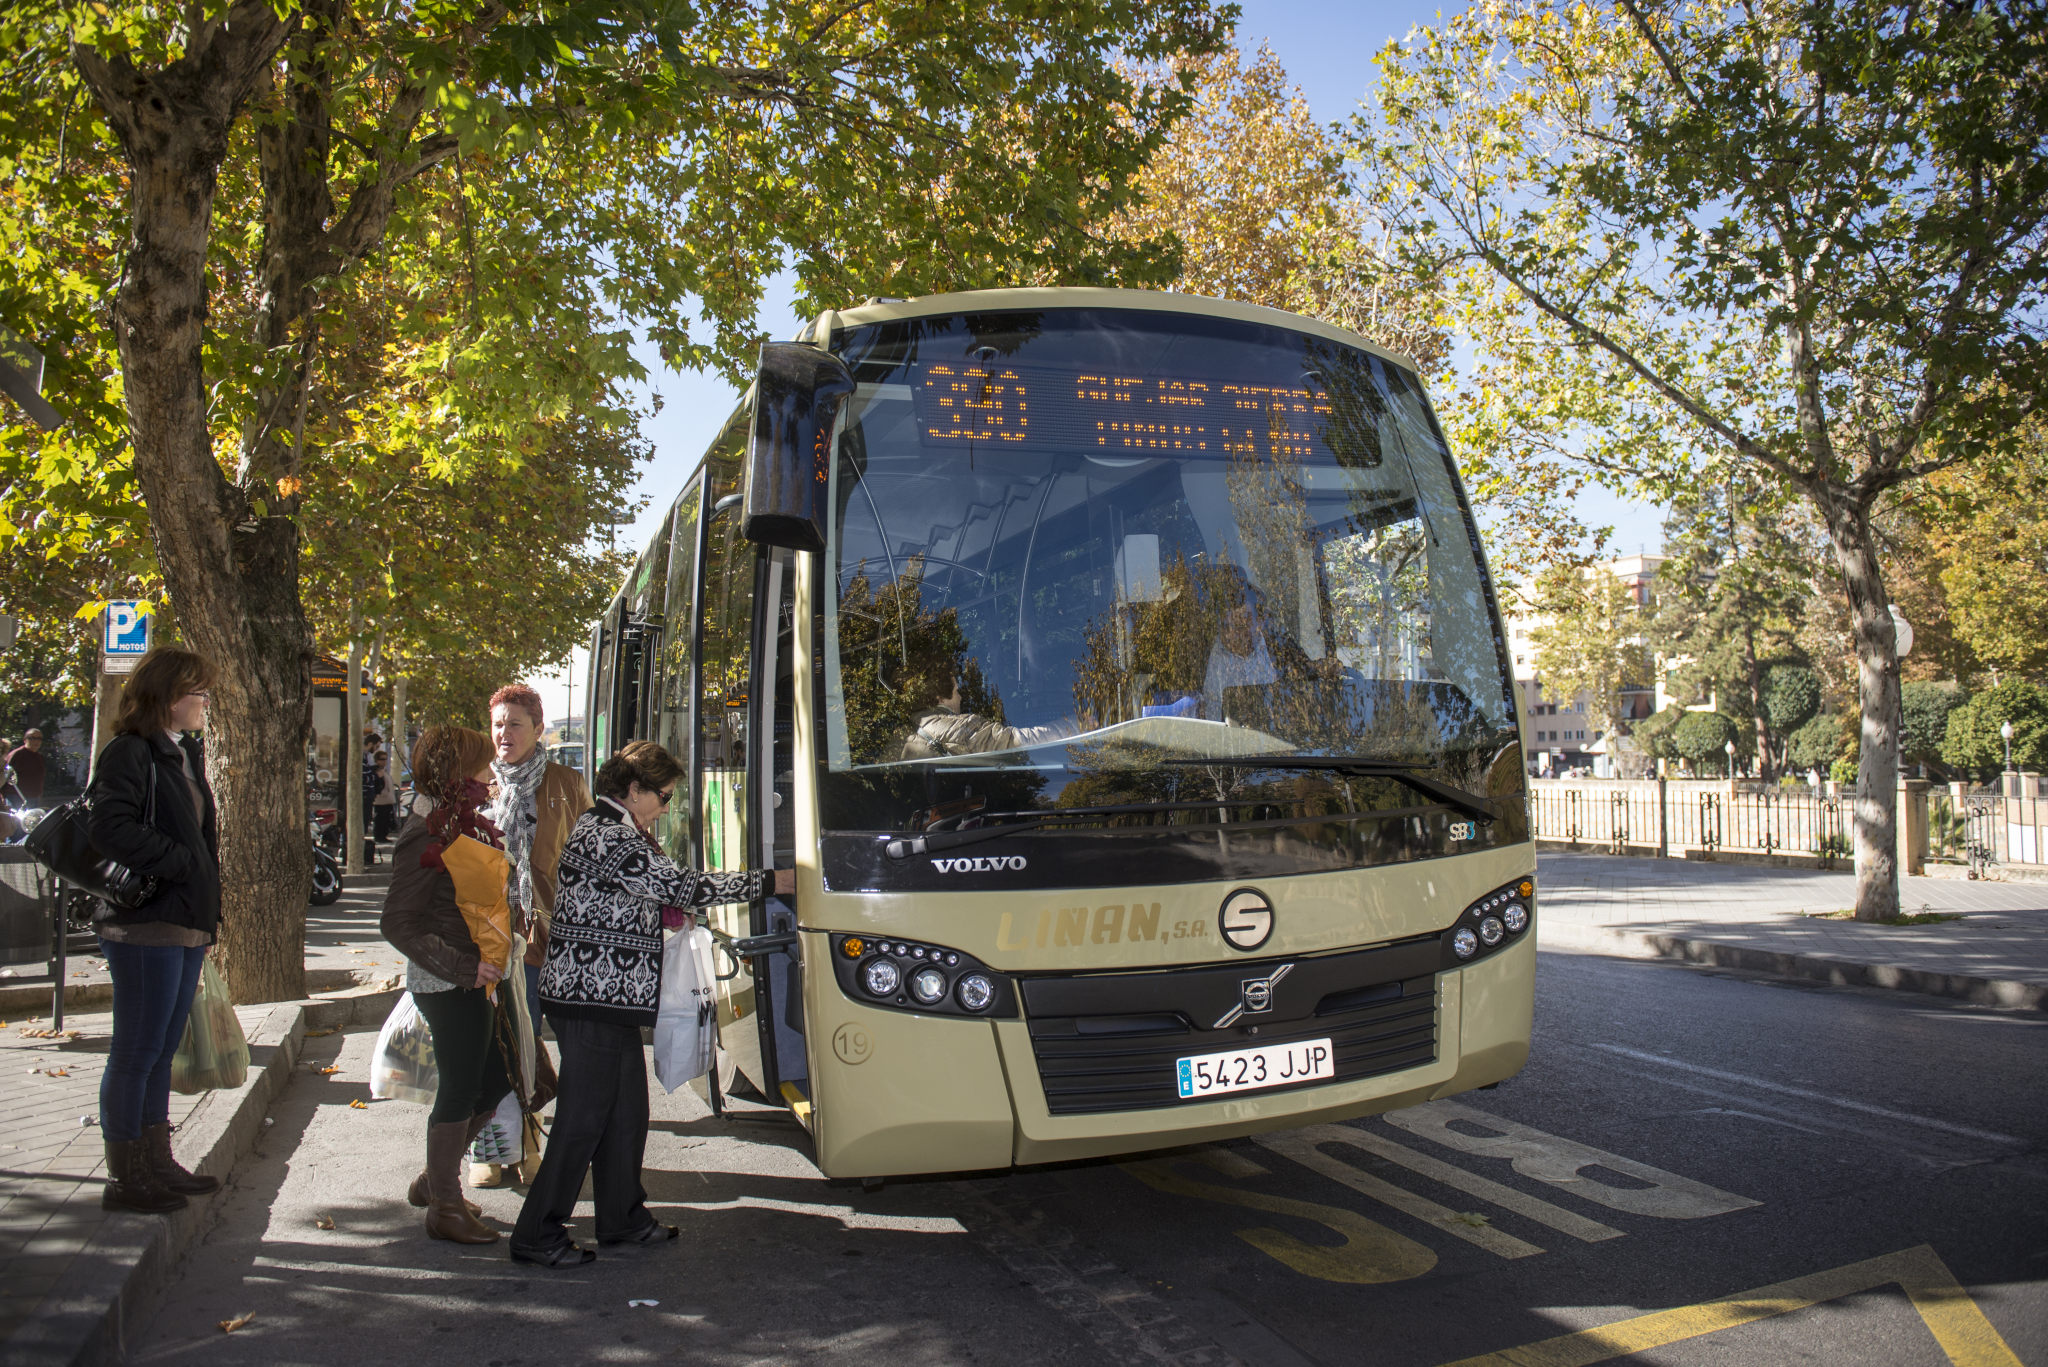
(1376, 1009)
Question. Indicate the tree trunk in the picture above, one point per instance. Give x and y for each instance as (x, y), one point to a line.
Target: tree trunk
(1877, 678)
(352, 751)
(401, 753)
(1755, 677)
(232, 575)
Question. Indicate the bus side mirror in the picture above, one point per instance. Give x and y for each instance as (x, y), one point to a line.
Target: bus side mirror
(797, 394)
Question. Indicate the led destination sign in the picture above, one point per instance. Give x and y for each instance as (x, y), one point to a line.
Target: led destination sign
(962, 402)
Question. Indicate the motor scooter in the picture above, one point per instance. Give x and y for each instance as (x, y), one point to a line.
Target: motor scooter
(326, 871)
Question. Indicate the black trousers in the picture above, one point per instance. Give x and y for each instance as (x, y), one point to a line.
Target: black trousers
(600, 1128)
(464, 1024)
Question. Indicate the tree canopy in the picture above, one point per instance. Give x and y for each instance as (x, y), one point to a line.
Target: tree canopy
(297, 249)
(1803, 242)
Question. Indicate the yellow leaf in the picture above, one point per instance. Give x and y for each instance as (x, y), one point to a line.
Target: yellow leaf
(229, 1326)
(323, 1222)
(330, 1069)
(359, 1105)
(289, 485)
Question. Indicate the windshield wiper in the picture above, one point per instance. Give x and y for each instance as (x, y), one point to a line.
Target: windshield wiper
(1357, 766)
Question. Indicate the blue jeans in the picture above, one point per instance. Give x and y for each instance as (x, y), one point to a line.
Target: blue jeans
(153, 988)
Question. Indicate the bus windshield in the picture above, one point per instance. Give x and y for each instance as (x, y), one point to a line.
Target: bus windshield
(1073, 550)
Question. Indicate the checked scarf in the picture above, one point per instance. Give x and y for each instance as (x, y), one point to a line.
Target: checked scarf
(515, 813)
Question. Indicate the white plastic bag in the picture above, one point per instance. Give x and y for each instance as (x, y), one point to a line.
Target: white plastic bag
(500, 1140)
(403, 1067)
(686, 1028)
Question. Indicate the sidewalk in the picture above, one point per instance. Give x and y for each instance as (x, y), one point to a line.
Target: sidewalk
(76, 1281)
(1739, 916)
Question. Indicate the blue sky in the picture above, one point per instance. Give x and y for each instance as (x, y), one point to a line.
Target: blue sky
(1327, 50)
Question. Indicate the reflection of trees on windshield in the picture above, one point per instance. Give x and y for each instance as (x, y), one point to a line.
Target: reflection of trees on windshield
(897, 658)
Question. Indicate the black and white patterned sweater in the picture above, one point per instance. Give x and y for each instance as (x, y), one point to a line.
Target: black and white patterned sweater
(604, 948)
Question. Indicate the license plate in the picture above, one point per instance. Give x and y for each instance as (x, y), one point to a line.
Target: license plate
(1245, 1070)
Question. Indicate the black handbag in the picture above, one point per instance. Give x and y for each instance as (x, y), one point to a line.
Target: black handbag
(62, 843)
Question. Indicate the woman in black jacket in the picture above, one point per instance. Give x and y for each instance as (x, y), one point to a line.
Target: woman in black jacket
(153, 811)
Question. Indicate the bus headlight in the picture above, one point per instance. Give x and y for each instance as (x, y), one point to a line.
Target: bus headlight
(976, 992)
(1489, 923)
(929, 979)
(928, 985)
(881, 977)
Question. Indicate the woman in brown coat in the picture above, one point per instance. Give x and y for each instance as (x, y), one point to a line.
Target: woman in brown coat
(446, 973)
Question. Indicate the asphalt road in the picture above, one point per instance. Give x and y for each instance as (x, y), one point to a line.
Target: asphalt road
(1697, 1167)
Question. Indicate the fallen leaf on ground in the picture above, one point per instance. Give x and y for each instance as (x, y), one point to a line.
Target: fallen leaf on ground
(359, 951)
(1471, 1218)
(56, 1072)
(331, 1068)
(229, 1326)
(323, 1222)
(359, 1105)
(316, 1034)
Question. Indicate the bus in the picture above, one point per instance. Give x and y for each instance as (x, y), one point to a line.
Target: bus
(1121, 675)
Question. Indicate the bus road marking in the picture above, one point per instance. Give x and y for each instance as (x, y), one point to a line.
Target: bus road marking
(1302, 1147)
(1367, 1252)
(1310, 1141)
(1964, 1333)
(1563, 1163)
(1846, 1103)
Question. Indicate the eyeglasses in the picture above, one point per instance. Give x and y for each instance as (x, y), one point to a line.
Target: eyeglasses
(666, 793)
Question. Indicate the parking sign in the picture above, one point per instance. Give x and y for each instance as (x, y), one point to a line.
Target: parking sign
(126, 638)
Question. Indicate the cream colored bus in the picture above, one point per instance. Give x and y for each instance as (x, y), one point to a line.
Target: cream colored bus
(1121, 675)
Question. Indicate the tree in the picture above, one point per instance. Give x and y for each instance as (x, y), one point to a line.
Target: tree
(1726, 600)
(1816, 745)
(1972, 742)
(266, 154)
(1925, 708)
(1590, 645)
(1801, 242)
(1791, 699)
(1704, 738)
(1990, 539)
(1258, 194)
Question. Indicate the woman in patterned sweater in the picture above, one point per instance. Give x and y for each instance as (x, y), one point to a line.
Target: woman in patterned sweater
(601, 984)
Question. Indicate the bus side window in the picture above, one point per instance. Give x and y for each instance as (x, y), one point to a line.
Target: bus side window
(675, 680)
(724, 671)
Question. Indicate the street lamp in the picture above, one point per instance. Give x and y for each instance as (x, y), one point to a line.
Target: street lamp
(1729, 746)
(2005, 731)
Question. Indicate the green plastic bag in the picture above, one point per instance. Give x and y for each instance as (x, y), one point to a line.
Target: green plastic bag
(214, 1052)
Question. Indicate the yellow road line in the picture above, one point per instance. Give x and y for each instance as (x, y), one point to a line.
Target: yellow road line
(1961, 1329)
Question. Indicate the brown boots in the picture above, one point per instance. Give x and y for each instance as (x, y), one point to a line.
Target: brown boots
(133, 1183)
(156, 1145)
(448, 1215)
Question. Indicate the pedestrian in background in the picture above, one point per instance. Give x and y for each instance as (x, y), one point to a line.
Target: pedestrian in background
(153, 811)
(30, 769)
(601, 985)
(534, 803)
(384, 802)
(445, 972)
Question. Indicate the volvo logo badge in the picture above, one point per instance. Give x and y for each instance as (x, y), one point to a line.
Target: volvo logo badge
(1254, 995)
(1246, 919)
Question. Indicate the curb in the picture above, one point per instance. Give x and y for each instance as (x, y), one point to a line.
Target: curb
(1634, 944)
(35, 997)
(120, 1276)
